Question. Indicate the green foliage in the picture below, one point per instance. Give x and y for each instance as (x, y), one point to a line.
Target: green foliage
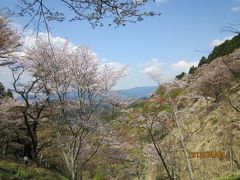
(11, 170)
(151, 108)
(180, 76)
(161, 91)
(9, 93)
(2, 90)
(136, 105)
(192, 70)
(116, 124)
(215, 121)
(99, 176)
(176, 92)
(235, 176)
(202, 61)
(24, 174)
(166, 108)
(4, 93)
(107, 117)
(225, 48)
(154, 108)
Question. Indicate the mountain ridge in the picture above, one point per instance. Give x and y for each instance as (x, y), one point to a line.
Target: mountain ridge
(138, 92)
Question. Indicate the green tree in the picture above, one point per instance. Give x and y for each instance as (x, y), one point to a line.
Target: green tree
(9, 93)
(225, 48)
(180, 76)
(192, 70)
(2, 90)
(202, 61)
(4, 93)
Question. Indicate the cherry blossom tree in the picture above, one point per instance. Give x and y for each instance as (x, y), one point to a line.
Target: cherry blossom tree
(215, 79)
(75, 85)
(9, 40)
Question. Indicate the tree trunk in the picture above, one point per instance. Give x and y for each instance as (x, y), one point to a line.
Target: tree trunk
(4, 149)
(73, 175)
(27, 151)
(32, 132)
(160, 155)
(231, 158)
(34, 141)
(34, 150)
(185, 149)
(80, 175)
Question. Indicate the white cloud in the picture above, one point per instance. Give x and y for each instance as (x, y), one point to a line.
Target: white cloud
(217, 42)
(138, 1)
(104, 60)
(236, 9)
(153, 70)
(16, 26)
(153, 67)
(117, 67)
(7, 79)
(160, 1)
(30, 40)
(156, 1)
(183, 65)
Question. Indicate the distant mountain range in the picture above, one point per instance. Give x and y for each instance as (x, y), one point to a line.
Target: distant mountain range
(135, 93)
(138, 92)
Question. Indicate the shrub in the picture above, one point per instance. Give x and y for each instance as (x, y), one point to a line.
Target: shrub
(202, 61)
(180, 76)
(192, 70)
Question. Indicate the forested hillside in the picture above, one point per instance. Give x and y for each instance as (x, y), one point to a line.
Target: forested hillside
(223, 49)
(61, 116)
(194, 115)
(187, 121)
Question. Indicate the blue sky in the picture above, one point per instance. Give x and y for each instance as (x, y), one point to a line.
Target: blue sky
(167, 43)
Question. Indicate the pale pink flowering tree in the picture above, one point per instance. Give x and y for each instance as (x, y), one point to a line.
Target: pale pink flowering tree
(74, 85)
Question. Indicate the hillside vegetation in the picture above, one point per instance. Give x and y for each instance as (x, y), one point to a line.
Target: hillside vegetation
(227, 47)
(13, 170)
(69, 120)
(199, 113)
(62, 119)
(207, 107)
